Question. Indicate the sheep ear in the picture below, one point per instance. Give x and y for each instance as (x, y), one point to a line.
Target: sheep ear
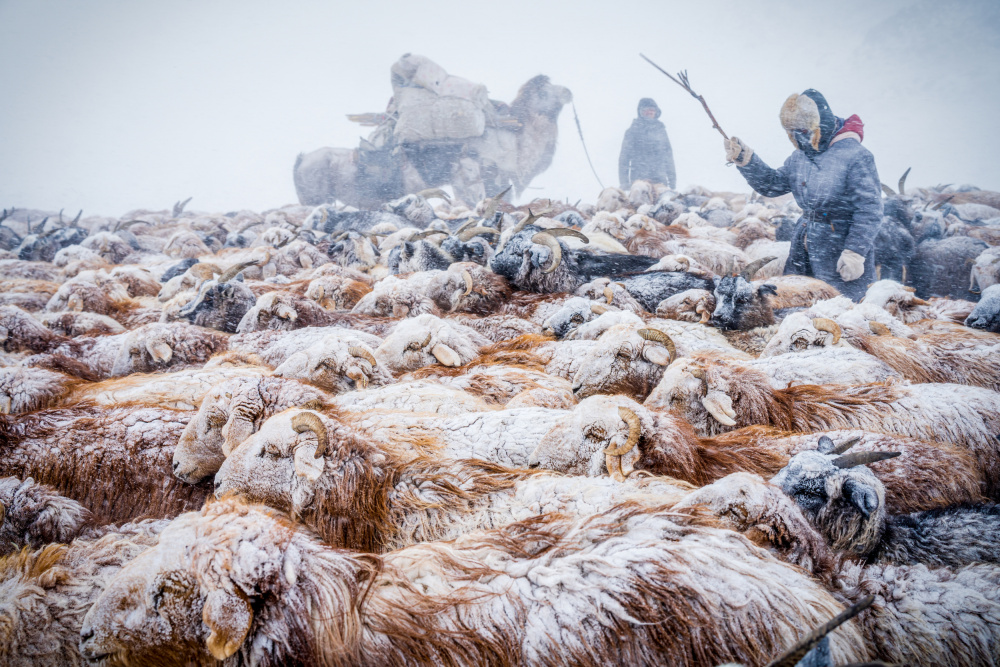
(767, 289)
(445, 355)
(861, 496)
(825, 445)
(656, 354)
(235, 432)
(307, 466)
(228, 616)
(159, 350)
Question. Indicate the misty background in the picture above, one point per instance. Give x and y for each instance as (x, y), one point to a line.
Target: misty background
(110, 105)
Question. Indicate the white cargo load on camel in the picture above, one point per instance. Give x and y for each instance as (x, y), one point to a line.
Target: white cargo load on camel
(433, 105)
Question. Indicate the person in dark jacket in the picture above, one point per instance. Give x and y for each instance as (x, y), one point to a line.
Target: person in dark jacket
(646, 152)
(835, 183)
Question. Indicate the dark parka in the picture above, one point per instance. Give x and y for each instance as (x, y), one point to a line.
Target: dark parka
(646, 152)
(839, 192)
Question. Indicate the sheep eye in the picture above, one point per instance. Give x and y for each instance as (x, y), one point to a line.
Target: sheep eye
(624, 355)
(596, 434)
(577, 318)
(799, 344)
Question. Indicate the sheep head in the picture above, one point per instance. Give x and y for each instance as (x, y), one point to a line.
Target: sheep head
(739, 304)
(353, 249)
(571, 314)
(693, 305)
(702, 389)
(799, 332)
(335, 292)
(335, 364)
(144, 350)
(627, 358)
(425, 340)
(274, 311)
(838, 494)
(600, 434)
(34, 515)
(395, 297)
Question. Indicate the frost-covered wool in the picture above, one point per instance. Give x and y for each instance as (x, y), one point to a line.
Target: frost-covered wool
(623, 361)
(284, 311)
(498, 328)
(20, 331)
(336, 365)
(628, 586)
(336, 292)
(668, 446)
(515, 385)
(228, 414)
(113, 461)
(797, 291)
(372, 496)
(80, 324)
(932, 357)
(902, 302)
(397, 297)
(424, 340)
(719, 396)
(34, 515)
(693, 305)
(940, 616)
(274, 347)
(179, 390)
(45, 594)
(23, 388)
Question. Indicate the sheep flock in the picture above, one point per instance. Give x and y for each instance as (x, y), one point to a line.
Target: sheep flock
(459, 433)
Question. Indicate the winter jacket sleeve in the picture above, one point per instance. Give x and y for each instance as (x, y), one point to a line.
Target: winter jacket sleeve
(624, 158)
(865, 191)
(766, 181)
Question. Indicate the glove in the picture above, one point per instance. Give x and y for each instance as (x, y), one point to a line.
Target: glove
(738, 152)
(850, 266)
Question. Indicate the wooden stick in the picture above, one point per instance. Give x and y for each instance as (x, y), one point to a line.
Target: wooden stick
(682, 81)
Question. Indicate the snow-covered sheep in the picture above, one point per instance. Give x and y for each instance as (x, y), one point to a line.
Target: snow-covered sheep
(246, 576)
(34, 515)
(423, 340)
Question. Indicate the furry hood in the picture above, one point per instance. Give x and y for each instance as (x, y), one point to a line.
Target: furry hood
(809, 111)
(648, 102)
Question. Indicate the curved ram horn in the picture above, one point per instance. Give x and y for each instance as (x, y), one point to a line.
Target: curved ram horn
(362, 353)
(634, 431)
(902, 181)
(310, 421)
(753, 267)
(845, 445)
(179, 206)
(552, 243)
(879, 329)
(434, 192)
(252, 223)
(236, 269)
(419, 236)
(340, 237)
(609, 294)
(467, 234)
(72, 223)
(494, 202)
(862, 458)
(657, 336)
(467, 278)
(792, 656)
(565, 231)
(125, 225)
(829, 326)
(889, 192)
(597, 309)
(465, 225)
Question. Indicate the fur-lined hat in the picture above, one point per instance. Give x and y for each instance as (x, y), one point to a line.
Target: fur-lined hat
(799, 112)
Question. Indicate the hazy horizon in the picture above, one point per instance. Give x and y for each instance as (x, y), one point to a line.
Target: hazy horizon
(115, 105)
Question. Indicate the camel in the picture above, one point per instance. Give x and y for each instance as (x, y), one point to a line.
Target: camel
(509, 153)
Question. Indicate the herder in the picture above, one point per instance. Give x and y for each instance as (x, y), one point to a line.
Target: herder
(646, 152)
(834, 182)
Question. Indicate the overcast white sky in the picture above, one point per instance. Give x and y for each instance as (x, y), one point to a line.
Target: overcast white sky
(109, 105)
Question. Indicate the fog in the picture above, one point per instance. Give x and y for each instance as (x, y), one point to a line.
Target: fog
(113, 105)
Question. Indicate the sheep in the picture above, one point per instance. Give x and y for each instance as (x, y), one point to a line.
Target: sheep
(396, 297)
(614, 435)
(534, 259)
(478, 600)
(417, 254)
(284, 311)
(904, 304)
(113, 461)
(374, 496)
(941, 616)
(80, 324)
(31, 295)
(334, 292)
(274, 347)
(845, 502)
(34, 515)
(941, 266)
(986, 314)
(423, 340)
(519, 385)
(986, 269)
(46, 593)
(717, 397)
(24, 389)
(693, 305)
(352, 249)
(932, 357)
(649, 289)
(630, 358)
